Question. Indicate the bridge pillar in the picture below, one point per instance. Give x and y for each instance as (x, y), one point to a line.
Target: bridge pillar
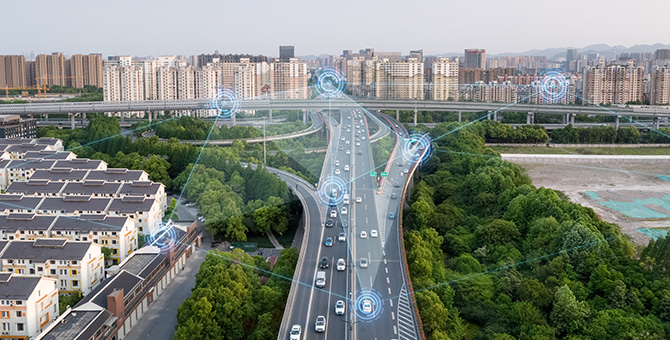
(572, 118)
(460, 116)
(488, 115)
(304, 116)
(616, 122)
(83, 117)
(72, 120)
(149, 117)
(530, 118)
(397, 114)
(495, 115)
(657, 122)
(565, 118)
(46, 116)
(415, 116)
(156, 115)
(270, 119)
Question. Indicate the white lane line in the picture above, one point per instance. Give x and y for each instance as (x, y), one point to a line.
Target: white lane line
(387, 280)
(391, 303)
(395, 330)
(392, 316)
(383, 252)
(370, 280)
(386, 270)
(389, 290)
(366, 220)
(384, 261)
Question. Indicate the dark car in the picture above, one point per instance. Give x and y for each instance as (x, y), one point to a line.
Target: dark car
(329, 223)
(324, 263)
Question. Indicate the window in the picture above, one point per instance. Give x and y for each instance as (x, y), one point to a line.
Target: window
(53, 271)
(19, 327)
(19, 314)
(73, 272)
(63, 271)
(5, 326)
(63, 283)
(4, 314)
(75, 283)
(74, 263)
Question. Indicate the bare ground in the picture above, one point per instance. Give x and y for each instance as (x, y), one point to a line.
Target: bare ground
(625, 181)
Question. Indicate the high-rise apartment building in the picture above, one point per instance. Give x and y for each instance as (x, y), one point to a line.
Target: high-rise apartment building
(613, 84)
(50, 69)
(360, 73)
(662, 54)
(289, 79)
(505, 92)
(286, 53)
(445, 79)
(476, 75)
(475, 58)
(12, 71)
(82, 70)
(399, 79)
(660, 86)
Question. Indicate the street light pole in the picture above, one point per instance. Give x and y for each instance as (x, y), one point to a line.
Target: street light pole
(264, 148)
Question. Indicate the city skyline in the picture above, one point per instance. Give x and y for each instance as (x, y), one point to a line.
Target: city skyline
(312, 35)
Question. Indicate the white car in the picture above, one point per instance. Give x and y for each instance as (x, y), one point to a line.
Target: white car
(337, 163)
(367, 306)
(406, 171)
(296, 332)
(333, 213)
(373, 233)
(346, 167)
(339, 307)
(320, 324)
(344, 210)
(347, 142)
(342, 138)
(348, 152)
(364, 262)
(363, 137)
(364, 234)
(358, 144)
(341, 265)
(337, 171)
(359, 200)
(341, 237)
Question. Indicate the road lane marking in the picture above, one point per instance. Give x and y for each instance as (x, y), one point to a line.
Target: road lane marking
(395, 330)
(392, 316)
(386, 270)
(384, 261)
(389, 290)
(387, 280)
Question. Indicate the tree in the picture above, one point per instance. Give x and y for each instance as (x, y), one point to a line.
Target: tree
(157, 168)
(568, 315)
(235, 229)
(498, 232)
(107, 252)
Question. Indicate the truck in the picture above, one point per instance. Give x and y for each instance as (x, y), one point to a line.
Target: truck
(321, 279)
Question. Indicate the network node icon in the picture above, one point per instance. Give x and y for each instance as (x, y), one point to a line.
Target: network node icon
(368, 305)
(417, 148)
(333, 190)
(554, 87)
(164, 236)
(226, 103)
(329, 83)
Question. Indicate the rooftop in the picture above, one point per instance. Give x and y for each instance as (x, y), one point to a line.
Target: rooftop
(35, 186)
(71, 204)
(17, 287)
(79, 163)
(90, 223)
(60, 174)
(90, 187)
(13, 222)
(18, 202)
(77, 324)
(42, 250)
(115, 174)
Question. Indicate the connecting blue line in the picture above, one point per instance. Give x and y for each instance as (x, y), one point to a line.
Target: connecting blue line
(194, 165)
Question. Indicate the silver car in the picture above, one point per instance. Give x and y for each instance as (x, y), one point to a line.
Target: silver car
(320, 324)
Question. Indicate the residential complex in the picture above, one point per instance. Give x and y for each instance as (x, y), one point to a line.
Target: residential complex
(475, 58)
(613, 84)
(50, 69)
(660, 86)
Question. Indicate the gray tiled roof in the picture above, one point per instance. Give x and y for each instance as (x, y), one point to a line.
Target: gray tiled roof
(78, 325)
(17, 287)
(115, 174)
(142, 264)
(42, 250)
(60, 174)
(79, 163)
(140, 188)
(123, 280)
(87, 223)
(35, 186)
(13, 222)
(92, 187)
(48, 154)
(70, 204)
(16, 202)
(130, 204)
(31, 164)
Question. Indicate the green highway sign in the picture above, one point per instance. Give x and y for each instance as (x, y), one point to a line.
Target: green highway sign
(385, 174)
(373, 173)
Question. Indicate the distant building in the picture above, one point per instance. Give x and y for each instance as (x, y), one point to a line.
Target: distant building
(289, 79)
(12, 71)
(50, 69)
(475, 58)
(13, 126)
(492, 92)
(662, 54)
(399, 79)
(660, 86)
(445, 79)
(613, 84)
(286, 53)
(84, 70)
(29, 304)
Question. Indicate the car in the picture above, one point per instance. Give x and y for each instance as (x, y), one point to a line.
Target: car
(328, 242)
(341, 148)
(339, 307)
(360, 152)
(348, 152)
(393, 195)
(337, 171)
(295, 333)
(341, 237)
(363, 137)
(320, 324)
(358, 144)
(347, 142)
(342, 138)
(323, 264)
(341, 265)
(344, 210)
(337, 163)
(374, 233)
(346, 167)
(358, 139)
(359, 200)
(406, 171)
(364, 234)
(363, 262)
(391, 215)
(366, 306)
(396, 184)
(333, 192)
(399, 163)
(333, 213)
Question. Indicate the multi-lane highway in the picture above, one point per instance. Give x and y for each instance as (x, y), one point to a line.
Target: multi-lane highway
(376, 297)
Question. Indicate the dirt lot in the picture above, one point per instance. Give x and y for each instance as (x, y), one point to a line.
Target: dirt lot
(630, 195)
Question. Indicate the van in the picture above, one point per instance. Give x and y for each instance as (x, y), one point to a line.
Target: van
(321, 279)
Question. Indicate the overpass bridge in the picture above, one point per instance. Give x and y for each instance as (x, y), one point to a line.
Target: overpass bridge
(657, 114)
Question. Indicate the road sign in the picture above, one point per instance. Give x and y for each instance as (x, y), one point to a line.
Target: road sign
(373, 173)
(385, 174)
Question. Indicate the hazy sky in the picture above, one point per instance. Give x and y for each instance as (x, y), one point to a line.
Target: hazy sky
(154, 27)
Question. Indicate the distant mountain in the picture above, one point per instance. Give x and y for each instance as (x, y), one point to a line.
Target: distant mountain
(556, 53)
(313, 57)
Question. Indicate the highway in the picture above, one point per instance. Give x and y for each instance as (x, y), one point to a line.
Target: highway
(383, 281)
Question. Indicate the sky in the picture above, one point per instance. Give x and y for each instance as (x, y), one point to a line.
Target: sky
(158, 27)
